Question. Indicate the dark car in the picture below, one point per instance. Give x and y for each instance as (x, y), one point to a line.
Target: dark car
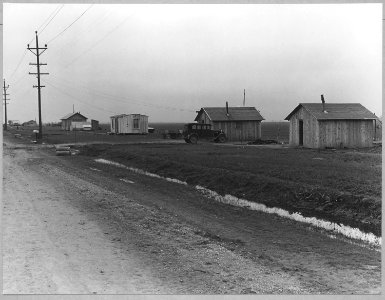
(193, 132)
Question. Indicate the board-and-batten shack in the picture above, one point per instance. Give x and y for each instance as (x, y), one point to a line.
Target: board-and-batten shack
(129, 124)
(73, 120)
(238, 123)
(331, 125)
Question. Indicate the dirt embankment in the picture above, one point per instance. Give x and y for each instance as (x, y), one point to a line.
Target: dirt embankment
(338, 192)
(101, 234)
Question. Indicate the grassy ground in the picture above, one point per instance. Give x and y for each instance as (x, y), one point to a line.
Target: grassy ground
(270, 131)
(278, 131)
(55, 135)
(339, 186)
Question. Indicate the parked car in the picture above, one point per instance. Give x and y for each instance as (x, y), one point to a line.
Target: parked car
(193, 132)
(87, 127)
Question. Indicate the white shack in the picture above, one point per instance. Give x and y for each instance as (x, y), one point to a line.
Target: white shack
(129, 124)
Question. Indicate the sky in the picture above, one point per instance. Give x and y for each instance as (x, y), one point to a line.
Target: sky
(169, 60)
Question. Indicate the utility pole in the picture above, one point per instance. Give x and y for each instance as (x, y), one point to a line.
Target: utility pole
(244, 97)
(38, 86)
(5, 88)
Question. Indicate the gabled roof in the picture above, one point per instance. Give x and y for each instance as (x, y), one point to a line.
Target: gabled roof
(235, 114)
(117, 116)
(125, 115)
(71, 115)
(336, 111)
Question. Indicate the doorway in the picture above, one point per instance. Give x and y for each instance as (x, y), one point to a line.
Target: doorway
(116, 125)
(300, 131)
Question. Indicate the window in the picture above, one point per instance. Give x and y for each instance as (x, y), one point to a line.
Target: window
(136, 123)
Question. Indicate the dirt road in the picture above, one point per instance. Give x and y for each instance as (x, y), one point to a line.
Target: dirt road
(71, 225)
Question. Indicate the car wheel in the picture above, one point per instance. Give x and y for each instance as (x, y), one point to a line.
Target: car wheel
(193, 139)
(221, 139)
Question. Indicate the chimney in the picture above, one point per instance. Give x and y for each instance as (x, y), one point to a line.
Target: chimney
(227, 109)
(323, 103)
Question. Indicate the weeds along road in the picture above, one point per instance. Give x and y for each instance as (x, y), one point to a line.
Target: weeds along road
(71, 225)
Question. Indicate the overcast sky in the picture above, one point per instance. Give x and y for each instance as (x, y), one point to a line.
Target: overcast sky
(168, 61)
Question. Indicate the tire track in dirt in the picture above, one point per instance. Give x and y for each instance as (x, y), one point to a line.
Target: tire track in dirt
(98, 241)
(50, 248)
(318, 261)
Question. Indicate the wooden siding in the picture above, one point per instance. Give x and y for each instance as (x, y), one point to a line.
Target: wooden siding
(310, 129)
(94, 124)
(78, 125)
(204, 119)
(240, 130)
(346, 133)
(125, 124)
(235, 130)
(330, 133)
(66, 123)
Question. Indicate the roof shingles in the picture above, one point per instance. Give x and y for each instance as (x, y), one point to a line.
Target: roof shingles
(336, 111)
(66, 117)
(235, 114)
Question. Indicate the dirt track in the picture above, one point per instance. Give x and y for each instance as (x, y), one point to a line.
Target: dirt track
(70, 226)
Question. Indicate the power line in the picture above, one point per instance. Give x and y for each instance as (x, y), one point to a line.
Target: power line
(69, 25)
(25, 51)
(46, 21)
(21, 91)
(18, 65)
(99, 20)
(123, 99)
(77, 99)
(99, 41)
(22, 77)
(40, 32)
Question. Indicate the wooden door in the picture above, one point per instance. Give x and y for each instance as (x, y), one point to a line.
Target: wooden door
(116, 125)
(300, 131)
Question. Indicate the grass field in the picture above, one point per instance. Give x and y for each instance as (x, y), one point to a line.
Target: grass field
(339, 186)
(270, 131)
(54, 135)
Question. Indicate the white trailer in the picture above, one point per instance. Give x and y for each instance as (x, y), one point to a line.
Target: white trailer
(129, 124)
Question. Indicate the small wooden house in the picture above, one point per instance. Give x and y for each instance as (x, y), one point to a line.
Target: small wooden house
(238, 123)
(129, 124)
(94, 124)
(334, 125)
(73, 121)
(30, 123)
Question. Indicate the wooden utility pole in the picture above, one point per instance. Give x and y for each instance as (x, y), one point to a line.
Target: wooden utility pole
(244, 97)
(38, 86)
(5, 88)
